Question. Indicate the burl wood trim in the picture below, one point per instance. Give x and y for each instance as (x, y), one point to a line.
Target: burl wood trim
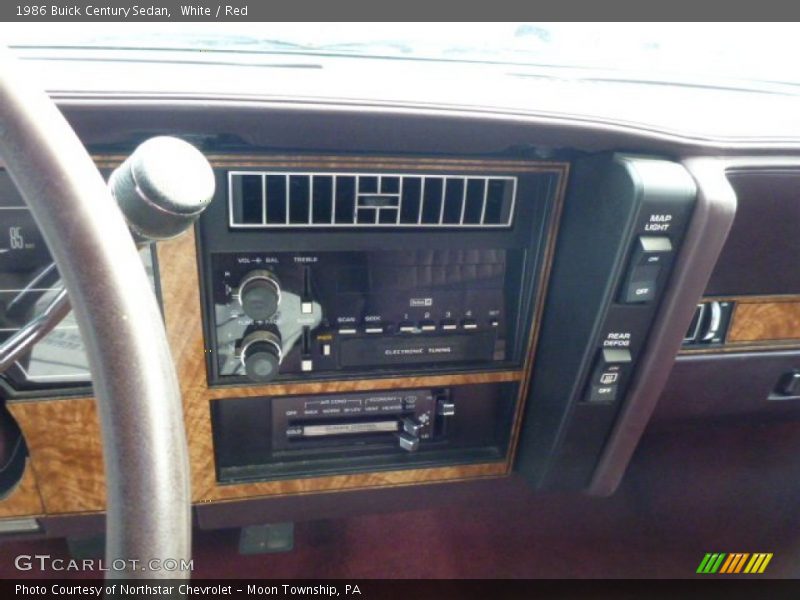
(357, 481)
(770, 319)
(66, 452)
(364, 385)
(24, 500)
(64, 435)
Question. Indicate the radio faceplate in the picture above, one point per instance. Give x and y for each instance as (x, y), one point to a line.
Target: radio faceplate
(344, 311)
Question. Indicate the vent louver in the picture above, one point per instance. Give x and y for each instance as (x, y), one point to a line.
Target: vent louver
(266, 199)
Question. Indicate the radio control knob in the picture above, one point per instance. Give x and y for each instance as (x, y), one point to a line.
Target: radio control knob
(261, 355)
(259, 294)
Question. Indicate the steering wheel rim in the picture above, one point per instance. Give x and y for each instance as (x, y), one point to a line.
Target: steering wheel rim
(148, 506)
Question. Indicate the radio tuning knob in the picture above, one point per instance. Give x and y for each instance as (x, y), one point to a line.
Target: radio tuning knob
(259, 294)
(261, 355)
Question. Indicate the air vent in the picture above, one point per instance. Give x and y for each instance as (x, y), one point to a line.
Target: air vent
(260, 199)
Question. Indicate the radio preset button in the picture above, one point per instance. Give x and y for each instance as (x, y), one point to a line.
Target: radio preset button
(406, 327)
(449, 325)
(427, 326)
(469, 324)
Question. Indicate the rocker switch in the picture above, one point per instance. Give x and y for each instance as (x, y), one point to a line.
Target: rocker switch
(605, 383)
(650, 253)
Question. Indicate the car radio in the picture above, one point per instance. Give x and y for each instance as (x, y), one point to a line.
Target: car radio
(297, 313)
(355, 273)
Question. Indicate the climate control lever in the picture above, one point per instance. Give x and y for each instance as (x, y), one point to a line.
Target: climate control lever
(411, 426)
(409, 443)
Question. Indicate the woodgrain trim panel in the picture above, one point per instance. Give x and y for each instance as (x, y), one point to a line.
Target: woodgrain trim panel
(66, 452)
(357, 481)
(69, 465)
(364, 385)
(759, 323)
(765, 321)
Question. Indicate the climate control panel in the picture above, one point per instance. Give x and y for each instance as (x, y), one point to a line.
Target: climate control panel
(273, 437)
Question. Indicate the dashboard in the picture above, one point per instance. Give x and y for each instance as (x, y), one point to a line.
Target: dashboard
(410, 290)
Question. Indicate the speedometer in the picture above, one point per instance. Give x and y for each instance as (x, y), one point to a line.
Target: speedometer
(21, 245)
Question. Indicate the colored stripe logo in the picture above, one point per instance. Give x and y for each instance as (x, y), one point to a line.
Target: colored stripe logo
(733, 563)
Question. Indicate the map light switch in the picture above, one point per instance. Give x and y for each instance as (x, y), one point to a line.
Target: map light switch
(649, 256)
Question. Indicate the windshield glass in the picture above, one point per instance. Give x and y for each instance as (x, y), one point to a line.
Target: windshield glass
(676, 52)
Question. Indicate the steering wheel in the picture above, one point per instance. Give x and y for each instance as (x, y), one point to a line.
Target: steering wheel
(148, 518)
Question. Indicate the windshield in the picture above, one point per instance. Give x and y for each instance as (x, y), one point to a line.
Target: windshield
(673, 52)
